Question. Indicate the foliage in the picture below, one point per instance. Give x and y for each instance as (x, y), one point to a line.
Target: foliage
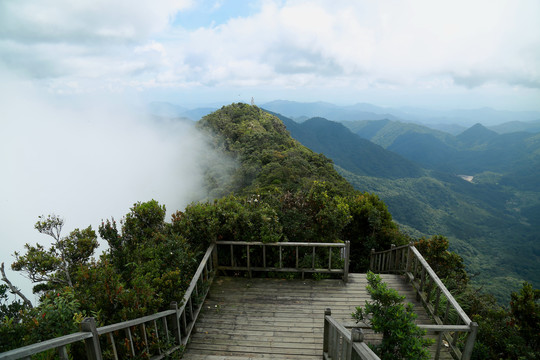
(478, 220)
(153, 262)
(402, 338)
(370, 227)
(505, 333)
(11, 329)
(525, 311)
(147, 266)
(270, 160)
(54, 267)
(58, 314)
(448, 265)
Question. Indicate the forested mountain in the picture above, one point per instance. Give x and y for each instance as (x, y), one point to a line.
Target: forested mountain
(514, 126)
(479, 217)
(513, 158)
(271, 188)
(350, 151)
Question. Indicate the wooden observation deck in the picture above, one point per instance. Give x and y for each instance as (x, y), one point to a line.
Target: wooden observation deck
(270, 318)
(281, 319)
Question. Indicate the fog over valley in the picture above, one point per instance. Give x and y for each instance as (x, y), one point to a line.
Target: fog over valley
(86, 160)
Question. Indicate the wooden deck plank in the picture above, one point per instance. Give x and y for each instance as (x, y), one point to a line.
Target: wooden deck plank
(279, 319)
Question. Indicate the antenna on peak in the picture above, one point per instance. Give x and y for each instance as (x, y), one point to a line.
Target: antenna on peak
(252, 101)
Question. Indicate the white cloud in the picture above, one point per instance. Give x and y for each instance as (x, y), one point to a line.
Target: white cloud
(292, 44)
(87, 158)
(404, 43)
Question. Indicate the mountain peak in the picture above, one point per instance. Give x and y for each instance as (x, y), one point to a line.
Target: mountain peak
(476, 135)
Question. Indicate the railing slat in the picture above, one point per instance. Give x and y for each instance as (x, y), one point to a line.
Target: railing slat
(130, 341)
(113, 344)
(329, 258)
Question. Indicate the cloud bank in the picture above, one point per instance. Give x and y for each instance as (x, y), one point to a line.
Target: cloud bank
(88, 158)
(95, 45)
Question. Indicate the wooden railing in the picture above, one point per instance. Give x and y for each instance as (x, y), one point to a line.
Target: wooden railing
(238, 255)
(452, 323)
(342, 344)
(158, 335)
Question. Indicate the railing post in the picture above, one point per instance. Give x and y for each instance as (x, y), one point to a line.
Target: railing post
(392, 258)
(215, 258)
(372, 260)
(327, 312)
(248, 262)
(346, 264)
(469, 345)
(409, 257)
(62, 353)
(93, 349)
(175, 325)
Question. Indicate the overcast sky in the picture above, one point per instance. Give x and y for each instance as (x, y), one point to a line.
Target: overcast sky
(449, 54)
(75, 74)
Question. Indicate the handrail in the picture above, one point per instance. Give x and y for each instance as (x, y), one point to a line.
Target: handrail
(342, 344)
(178, 320)
(246, 265)
(436, 298)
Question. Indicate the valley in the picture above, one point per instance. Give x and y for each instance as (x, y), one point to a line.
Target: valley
(478, 188)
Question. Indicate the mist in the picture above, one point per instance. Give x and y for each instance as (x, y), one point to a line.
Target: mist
(87, 158)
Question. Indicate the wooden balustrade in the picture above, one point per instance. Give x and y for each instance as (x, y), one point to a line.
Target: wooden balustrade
(451, 323)
(342, 344)
(285, 257)
(158, 335)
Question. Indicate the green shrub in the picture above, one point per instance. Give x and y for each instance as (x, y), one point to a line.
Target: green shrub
(402, 338)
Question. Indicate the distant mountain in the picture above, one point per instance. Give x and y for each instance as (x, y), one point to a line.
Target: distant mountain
(169, 110)
(452, 129)
(476, 135)
(385, 132)
(474, 151)
(363, 111)
(517, 126)
(491, 221)
(349, 150)
(425, 149)
(296, 110)
(165, 109)
(198, 113)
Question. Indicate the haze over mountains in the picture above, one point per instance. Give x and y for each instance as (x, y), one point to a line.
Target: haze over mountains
(460, 118)
(451, 121)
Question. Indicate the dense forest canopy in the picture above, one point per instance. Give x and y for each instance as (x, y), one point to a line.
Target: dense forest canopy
(277, 190)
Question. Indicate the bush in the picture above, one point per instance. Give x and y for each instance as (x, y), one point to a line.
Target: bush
(402, 338)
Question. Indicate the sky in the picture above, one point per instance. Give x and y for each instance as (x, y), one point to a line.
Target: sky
(75, 77)
(438, 54)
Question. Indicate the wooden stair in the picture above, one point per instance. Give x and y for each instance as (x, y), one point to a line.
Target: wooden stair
(280, 319)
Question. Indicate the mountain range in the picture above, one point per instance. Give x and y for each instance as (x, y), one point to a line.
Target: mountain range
(477, 188)
(453, 121)
(476, 183)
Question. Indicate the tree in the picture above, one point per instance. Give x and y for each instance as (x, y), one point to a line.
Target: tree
(370, 227)
(402, 338)
(54, 267)
(447, 265)
(148, 263)
(525, 311)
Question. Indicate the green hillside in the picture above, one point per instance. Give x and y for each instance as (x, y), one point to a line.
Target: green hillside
(492, 223)
(266, 156)
(349, 150)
